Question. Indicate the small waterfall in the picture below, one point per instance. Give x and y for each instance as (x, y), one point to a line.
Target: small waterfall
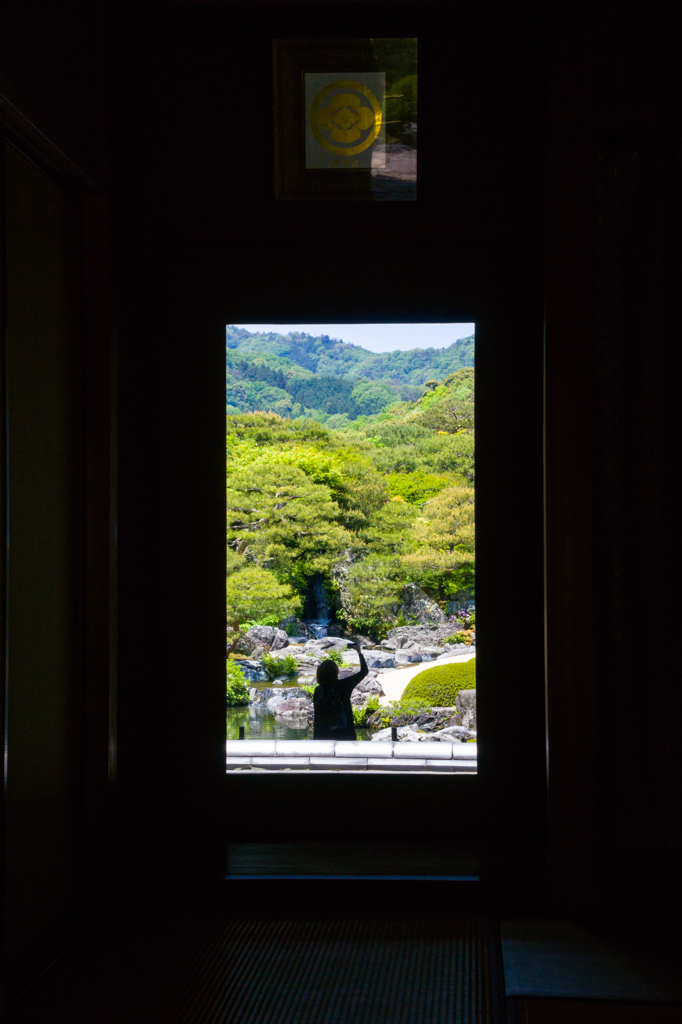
(316, 612)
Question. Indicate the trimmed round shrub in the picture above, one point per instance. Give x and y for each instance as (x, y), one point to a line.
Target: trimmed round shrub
(440, 685)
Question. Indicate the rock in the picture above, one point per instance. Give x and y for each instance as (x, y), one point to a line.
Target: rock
(307, 664)
(466, 707)
(327, 643)
(464, 602)
(407, 657)
(345, 673)
(253, 670)
(260, 698)
(369, 687)
(429, 720)
(379, 659)
(280, 680)
(405, 733)
(306, 654)
(295, 707)
(269, 637)
(245, 645)
(429, 653)
(423, 636)
(417, 605)
(453, 734)
(273, 703)
(412, 734)
(295, 627)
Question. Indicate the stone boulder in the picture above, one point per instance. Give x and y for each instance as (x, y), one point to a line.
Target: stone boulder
(327, 643)
(429, 720)
(466, 707)
(260, 697)
(270, 637)
(368, 687)
(453, 734)
(406, 733)
(418, 636)
(412, 734)
(404, 657)
(431, 653)
(464, 602)
(306, 661)
(418, 606)
(253, 671)
(260, 639)
(292, 709)
(379, 659)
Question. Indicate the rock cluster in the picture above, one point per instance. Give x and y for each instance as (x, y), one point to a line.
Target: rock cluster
(416, 605)
(466, 708)
(260, 698)
(369, 687)
(411, 734)
(260, 639)
(409, 637)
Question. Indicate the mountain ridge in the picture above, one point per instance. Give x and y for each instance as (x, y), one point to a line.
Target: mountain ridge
(303, 375)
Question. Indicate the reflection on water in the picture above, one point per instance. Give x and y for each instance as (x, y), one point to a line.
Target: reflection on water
(260, 724)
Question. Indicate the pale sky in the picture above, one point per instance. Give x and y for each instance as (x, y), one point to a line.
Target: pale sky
(377, 337)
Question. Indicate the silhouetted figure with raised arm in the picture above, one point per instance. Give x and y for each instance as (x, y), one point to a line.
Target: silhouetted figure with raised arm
(331, 700)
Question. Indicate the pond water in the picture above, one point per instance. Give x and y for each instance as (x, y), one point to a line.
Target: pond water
(261, 724)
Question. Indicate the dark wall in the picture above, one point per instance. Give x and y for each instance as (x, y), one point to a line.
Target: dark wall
(45, 579)
(202, 242)
(548, 185)
(638, 433)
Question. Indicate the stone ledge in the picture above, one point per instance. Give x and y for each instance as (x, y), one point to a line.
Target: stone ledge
(435, 750)
(346, 755)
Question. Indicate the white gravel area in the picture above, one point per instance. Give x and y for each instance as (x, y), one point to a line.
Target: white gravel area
(394, 680)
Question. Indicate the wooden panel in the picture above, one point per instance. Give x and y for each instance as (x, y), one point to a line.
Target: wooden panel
(45, 562)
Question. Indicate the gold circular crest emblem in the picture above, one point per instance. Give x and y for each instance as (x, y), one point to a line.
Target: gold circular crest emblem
(344, 124)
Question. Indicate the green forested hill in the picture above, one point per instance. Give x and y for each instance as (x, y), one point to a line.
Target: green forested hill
(320, 377)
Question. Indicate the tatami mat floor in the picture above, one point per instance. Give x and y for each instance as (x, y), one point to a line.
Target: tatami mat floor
(206, 968)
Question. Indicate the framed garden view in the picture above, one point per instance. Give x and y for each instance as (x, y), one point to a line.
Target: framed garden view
(351, 622)
(345, 119)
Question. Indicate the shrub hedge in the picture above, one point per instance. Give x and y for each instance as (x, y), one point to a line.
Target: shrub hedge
(439, 686)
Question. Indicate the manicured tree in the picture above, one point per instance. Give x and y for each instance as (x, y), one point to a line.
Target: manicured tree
(283, 521)
(444, 530)
(255, 593)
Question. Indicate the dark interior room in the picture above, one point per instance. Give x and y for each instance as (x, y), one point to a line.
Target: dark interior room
(144, 205)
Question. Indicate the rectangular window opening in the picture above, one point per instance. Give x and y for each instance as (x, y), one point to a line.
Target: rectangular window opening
(350, 478)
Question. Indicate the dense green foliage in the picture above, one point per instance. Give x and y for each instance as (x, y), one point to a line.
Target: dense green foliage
(439, 686)
(254, 593)
(369, 504)
(361, 714)
(279, 666)
(237, 687)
